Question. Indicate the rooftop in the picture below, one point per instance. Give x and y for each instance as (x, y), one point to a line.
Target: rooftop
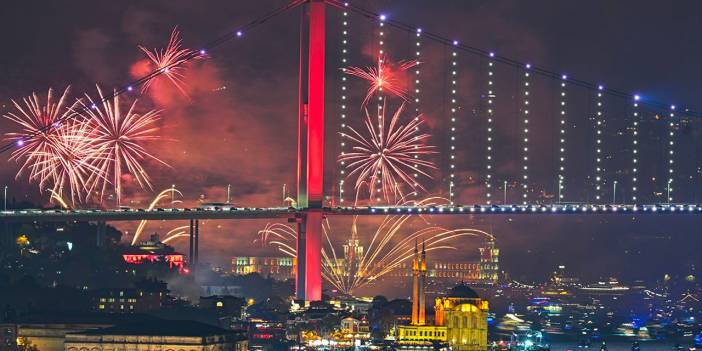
(162, 328)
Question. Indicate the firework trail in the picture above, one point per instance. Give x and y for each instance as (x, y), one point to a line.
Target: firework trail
(54, 148)
(169, 61)
(117, 137)
(175, 233)
(384, 253)
(57, 197)
(160, 196)
(389, 155)
(382, 77)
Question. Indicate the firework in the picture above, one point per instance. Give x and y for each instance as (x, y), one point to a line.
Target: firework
(382, 77)
(58, 198)
(169, 61)
(118, 137)
(384, 253)
(160, 196)
(54, 149)
(175, 233)
(389, 155)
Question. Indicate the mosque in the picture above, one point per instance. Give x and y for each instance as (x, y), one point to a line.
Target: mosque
(460, 317)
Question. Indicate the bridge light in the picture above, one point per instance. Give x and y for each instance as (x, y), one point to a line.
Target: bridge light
(419, 30)
(490, 94)
(239, 33)
(671, 150)
(130, 88)
(203, 52)
(455, 43)
(491, 54)
(452, 130)
(20, 142)
(637, 97)
(564, 77)
(342, 102)
(383, 17)
(600, 87)
(525, 135)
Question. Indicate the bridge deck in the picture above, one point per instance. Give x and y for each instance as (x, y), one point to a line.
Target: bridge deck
(35, 215)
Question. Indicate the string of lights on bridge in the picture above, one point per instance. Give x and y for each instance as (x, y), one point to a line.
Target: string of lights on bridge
(602, 154)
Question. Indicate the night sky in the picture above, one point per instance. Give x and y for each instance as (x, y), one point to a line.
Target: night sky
(238, 125)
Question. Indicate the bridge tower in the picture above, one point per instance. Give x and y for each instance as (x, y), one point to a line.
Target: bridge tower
(310, 151)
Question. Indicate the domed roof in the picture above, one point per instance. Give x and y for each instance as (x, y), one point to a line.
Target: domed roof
(463, 291)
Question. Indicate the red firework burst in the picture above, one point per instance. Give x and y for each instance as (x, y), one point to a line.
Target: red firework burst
(383, 77)
(170, 61)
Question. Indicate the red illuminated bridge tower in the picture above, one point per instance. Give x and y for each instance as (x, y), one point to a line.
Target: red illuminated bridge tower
(310, 152)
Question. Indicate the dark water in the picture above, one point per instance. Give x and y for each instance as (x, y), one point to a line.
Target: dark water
(619, 346)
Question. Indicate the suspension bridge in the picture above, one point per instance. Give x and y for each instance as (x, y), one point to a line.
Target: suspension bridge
(514, 139)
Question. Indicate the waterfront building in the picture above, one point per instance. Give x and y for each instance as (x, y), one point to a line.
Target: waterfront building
(153, 250)
(489, 263)
(281, 268)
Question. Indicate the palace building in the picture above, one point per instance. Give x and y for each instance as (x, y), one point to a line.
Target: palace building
(460, 319)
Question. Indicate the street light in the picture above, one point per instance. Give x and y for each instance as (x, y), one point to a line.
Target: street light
(172, 194)
(614, 193)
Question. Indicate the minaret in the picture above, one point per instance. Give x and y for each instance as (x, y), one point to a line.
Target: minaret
(415, 286)
(422, 284)
(353, 252)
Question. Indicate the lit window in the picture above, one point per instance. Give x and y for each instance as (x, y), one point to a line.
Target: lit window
(220, 304)
(102, 307)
